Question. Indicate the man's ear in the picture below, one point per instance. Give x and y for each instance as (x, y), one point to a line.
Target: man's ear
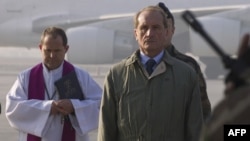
(167, 31)
(40, 46)
(173, 29)
(66, 48)
(135, 34)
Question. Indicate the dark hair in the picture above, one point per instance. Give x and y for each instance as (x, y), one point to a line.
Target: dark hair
(151, 8)
(55, 31)
(166, 10)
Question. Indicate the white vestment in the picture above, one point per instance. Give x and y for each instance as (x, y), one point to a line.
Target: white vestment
(33, 116)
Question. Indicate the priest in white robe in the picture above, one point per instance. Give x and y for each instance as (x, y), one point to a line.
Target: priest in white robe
(41, 117)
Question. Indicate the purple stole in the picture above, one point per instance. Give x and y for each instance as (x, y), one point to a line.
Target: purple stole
(36, 91)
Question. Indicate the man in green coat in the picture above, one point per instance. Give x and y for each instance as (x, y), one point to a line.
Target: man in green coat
(150, 96)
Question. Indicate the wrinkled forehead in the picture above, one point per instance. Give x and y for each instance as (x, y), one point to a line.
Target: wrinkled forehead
(150, 17)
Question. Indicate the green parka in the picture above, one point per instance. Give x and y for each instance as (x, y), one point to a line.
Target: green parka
(165, 106)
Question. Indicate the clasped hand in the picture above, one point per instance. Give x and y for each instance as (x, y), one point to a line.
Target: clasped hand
(62, 106)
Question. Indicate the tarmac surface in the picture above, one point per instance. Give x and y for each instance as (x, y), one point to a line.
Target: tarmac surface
(13, 61)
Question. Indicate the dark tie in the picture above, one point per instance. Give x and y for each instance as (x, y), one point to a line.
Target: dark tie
(149, 65)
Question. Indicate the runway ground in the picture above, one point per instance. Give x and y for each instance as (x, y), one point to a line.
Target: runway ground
(13, 60)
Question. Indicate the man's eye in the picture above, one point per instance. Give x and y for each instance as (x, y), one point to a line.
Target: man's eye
(156, 27)
(143, 29)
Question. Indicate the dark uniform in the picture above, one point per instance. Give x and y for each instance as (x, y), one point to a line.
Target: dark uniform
(233, 109)
(206, 106)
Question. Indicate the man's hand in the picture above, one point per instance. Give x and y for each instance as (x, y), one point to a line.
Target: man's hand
(54, 109)
(64, 106)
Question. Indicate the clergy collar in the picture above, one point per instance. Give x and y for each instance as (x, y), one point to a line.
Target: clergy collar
(57, 70)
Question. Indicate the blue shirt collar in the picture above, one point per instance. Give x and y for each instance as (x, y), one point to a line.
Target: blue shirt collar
(145, 58)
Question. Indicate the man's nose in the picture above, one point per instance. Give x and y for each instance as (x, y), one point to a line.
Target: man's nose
(52, 54)
(149, 32)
